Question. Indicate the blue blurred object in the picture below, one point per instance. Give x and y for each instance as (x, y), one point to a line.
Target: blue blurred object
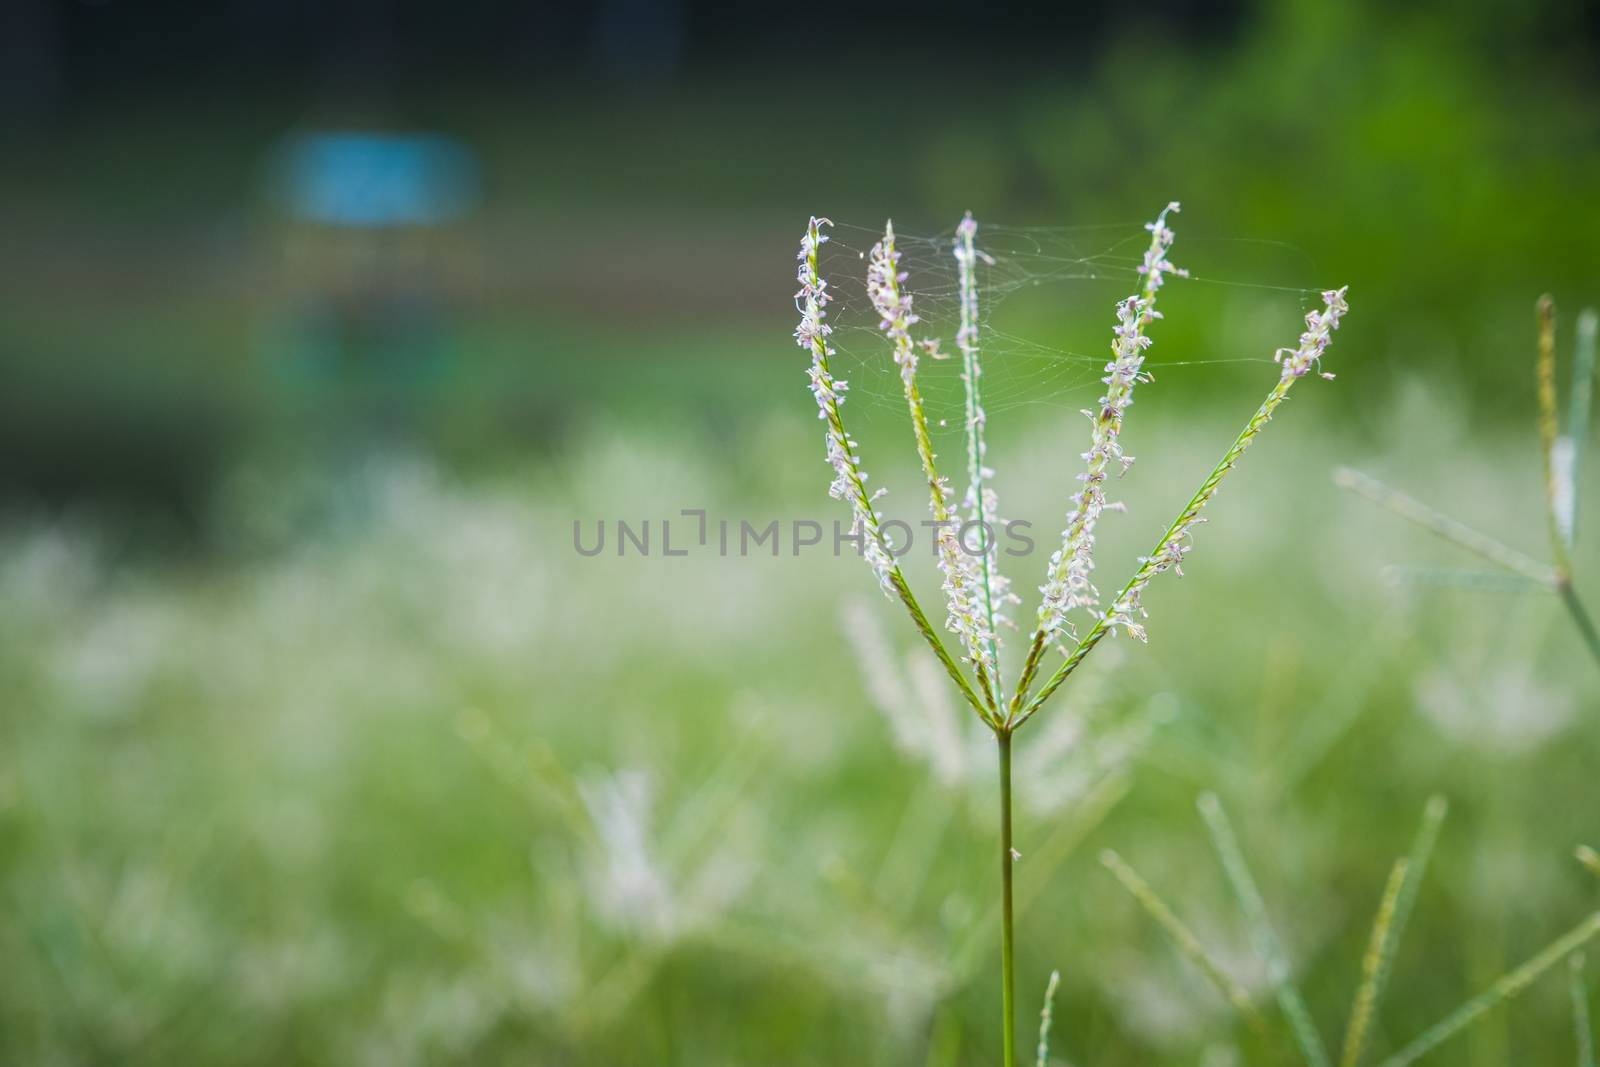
(374, 256)
(366, 180)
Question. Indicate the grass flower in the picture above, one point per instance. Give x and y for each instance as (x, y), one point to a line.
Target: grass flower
(922, 721)
(1559, 452)
(1128, 607)
(1067, 583)
(964, 588)
(1176, 543)
(974, 590)
(849, 479)
(982, 502)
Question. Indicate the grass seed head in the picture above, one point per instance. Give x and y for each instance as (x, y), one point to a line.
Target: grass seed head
(1067, 585)
(850, 480)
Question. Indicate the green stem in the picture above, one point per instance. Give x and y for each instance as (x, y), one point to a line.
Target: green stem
(1030, 667)
(1569, 597)
(925, 628)
(1008, 981)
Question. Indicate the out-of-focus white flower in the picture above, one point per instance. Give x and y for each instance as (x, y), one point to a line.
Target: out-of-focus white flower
(1506, 713)
(943, 741)
(629, 888)
(118, 654)
(914, 701)
(635, 889)
(885, 686)
(1072, 755)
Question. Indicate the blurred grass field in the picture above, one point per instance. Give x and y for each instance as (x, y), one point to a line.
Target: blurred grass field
(321, 744)
(423, 785)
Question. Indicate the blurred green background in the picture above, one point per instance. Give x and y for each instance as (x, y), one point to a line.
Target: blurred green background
(320, 329)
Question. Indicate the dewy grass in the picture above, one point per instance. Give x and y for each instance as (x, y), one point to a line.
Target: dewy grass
(1589, 858)
(1507, 986)
(1042, 1056)
(1394, 909)
(1183, 937)
(1383, 935)
(1262, 934)
(1559, 453)
(1578, 990)
(975, 592)
(1399, 897)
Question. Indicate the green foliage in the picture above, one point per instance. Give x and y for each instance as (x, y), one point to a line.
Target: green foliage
(336, 797)
(392, 776)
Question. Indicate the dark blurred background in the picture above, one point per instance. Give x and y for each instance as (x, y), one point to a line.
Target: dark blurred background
(575, 203)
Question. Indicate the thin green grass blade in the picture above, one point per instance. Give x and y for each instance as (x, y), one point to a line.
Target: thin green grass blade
(1183, 938)
(1580, 617)
(1589, 858)
(1583, 1031)
(1579, 403)
(1361, 1011)
(1441, 525)
(1505, 988)
(1399, 898)
(1045, 1013)
(1416, 867)
(914, 847)
(1555, 491)
(1472, 579)
(944, 1048)
(1267, 945)
(530, 769)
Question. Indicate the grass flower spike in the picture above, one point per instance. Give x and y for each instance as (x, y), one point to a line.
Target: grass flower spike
(1156, 265)
(1559, 449)
(975, 592)
(849, 481)
(1067, 583)
(1175, 544)
(982, 503)
(964, 590)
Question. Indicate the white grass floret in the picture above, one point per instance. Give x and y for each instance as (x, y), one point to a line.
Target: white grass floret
(850, 480)
(963, 584)
(1067, 583)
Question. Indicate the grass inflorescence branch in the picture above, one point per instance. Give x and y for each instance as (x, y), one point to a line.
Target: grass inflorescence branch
(976, 594)
(1559, 455)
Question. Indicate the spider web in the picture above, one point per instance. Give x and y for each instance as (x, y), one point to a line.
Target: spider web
(1057, 282)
